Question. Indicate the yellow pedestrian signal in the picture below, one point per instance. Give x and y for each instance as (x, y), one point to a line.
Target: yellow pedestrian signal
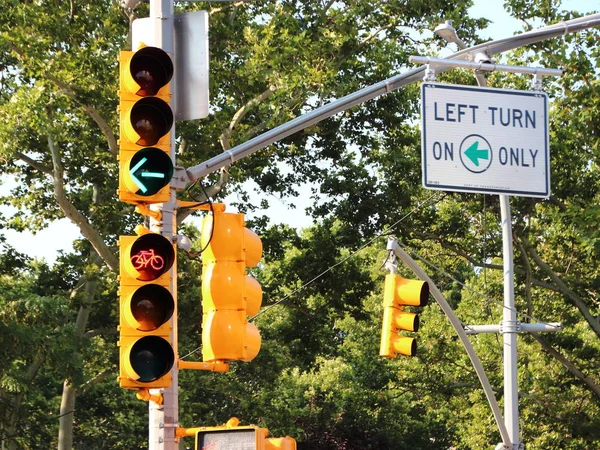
(146, 307)
(233, 435)
(400, 292)
(229, 295)
(146, 119)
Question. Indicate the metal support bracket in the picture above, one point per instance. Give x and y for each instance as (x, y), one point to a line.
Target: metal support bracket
(481, 66)
(518, 328)
(502, 446)
(213, 366)
(180, 178)
(145, 395)
(537, 82)
(143, 209)
(429, 74)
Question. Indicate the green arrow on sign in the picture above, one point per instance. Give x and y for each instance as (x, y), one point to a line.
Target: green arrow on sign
(138, 171)
(475, 154)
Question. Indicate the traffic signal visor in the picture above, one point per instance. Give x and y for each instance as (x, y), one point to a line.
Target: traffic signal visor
(228, 296)
(226, 238)
(147, 257)
(146, 72)
(144, 97)
(145, 176)
(225, 285)
(146, 362)
(227, 336)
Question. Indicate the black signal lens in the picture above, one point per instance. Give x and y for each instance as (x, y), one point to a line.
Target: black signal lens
(151, 357)
(151, 118)
(152, 69)
(152, 306)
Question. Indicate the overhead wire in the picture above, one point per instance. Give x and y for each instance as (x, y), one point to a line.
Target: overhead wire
(464, 285)
(386, 232)
(329, 269)
(201, 203)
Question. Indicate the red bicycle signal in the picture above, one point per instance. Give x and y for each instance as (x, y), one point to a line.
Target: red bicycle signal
(146, 258)
(151, 256)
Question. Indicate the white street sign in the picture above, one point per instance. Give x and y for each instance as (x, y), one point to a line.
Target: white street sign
(485, 140)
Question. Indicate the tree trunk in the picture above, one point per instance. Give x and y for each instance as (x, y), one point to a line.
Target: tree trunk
(67, 412)
(67, 404)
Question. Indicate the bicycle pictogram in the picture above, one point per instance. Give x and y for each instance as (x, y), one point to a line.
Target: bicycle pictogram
(144, 258)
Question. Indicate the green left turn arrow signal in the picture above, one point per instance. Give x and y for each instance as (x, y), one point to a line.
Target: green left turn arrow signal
(140, 171)
(150, 169)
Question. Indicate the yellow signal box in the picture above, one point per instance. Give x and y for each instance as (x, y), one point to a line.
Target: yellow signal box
(229, 295)
(233, 435)
(400, 292)
(146, 119)
(146, 354)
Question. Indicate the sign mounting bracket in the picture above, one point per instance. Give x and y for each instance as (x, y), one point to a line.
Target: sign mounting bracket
(432, 63)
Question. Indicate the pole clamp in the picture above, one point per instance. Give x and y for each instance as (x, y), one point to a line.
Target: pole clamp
(510, 326)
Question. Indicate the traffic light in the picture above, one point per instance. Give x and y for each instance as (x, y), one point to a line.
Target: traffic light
(146, 353)
(232, 435)
(400, 292)
(146, 118)
(229, 295)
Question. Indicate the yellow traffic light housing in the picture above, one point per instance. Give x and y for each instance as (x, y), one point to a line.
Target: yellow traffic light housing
(146, 119)
(400, 292)
(233, 435)
(146, 353)
(229, 295)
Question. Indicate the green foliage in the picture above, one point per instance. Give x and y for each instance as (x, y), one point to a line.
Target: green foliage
(318, 377)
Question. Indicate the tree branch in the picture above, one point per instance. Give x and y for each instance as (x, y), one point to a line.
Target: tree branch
(567, 364)
(100, 331)
(72, 213)
(528, 277)
(33, 163)
(291, 104)
(476, 262)
(91, 111)
(94, 381)
(575, 299)
(217, 10)
(70, 92)
(240, 114)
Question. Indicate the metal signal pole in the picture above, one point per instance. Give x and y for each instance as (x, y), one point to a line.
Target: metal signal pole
(163, 419)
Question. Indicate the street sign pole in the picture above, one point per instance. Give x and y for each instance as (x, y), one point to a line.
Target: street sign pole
(509, 330)
(163, 419)
(510, 326)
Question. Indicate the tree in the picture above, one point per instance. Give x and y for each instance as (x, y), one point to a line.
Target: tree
(317, 377)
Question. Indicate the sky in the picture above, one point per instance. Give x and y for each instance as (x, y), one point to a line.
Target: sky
(60, 234)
